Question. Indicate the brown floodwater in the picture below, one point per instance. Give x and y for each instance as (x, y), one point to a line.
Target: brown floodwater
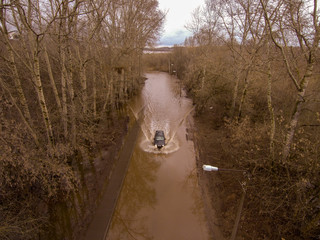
(160, 198)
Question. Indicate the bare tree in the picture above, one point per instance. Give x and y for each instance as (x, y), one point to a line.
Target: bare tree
(4, 14)
(295, 24)
(69, 64)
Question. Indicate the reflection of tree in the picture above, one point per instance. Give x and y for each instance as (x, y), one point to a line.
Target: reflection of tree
(191, 185)
(137, 194)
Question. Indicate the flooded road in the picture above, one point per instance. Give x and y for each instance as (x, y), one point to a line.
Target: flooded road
(160, 198)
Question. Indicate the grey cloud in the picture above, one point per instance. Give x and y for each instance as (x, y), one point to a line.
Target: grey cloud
(171, 39)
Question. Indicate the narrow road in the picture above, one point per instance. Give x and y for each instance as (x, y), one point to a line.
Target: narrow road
(160, 198)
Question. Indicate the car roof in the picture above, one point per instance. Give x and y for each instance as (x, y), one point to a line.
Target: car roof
(159, 132)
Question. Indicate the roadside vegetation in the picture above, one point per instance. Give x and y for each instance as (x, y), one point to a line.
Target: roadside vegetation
(252, 69)
(67, 69)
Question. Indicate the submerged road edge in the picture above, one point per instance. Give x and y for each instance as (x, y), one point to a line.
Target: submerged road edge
(100, 224)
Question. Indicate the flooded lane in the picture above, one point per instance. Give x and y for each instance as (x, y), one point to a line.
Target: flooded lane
(160, 198)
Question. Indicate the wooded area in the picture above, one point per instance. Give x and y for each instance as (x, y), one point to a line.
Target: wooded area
(255, 64)
(67, 67)
(252, 69)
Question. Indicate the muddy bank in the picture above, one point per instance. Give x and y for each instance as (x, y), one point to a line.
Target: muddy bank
(221, 191)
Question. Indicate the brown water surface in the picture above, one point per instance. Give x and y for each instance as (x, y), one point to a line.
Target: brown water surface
(160, 198)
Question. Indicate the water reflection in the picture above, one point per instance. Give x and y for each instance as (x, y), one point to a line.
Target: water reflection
(191, 185)
(137, 193)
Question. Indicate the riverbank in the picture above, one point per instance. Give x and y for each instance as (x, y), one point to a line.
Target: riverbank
(221, 191)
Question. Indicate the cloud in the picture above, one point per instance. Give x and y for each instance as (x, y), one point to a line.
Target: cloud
(177, 37)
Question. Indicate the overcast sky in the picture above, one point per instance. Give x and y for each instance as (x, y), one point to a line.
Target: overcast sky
(179, 13)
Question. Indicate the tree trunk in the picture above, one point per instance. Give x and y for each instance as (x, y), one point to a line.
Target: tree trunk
(297, 110)
(23, 117)
(71, 94)
(124, 79)
(17, 82)
(109, 95)
(244, 94)
(235, 95)
(94, 90)
(13, 65)
(41, 98)
(203, 79)
(270, 107)
(64, 76)
(52, 81)
(83, 79)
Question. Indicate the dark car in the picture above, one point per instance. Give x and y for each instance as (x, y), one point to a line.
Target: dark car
(159, 139)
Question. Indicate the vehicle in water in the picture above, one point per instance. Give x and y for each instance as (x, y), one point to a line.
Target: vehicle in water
(159, 139)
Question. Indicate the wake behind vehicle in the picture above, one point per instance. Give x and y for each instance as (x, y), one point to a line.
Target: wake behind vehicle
(159, 139)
